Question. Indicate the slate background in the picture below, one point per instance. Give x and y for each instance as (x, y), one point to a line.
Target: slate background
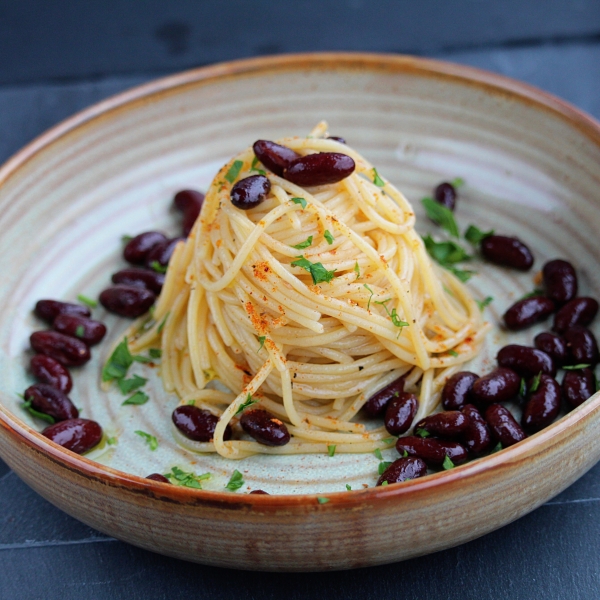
(58, 57)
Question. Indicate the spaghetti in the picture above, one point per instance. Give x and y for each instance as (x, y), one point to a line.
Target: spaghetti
(308, 303)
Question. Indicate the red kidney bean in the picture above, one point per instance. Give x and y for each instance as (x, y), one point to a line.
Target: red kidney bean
(503, 425)
(450, 424)
(264, 427)
(189, 202)
(197, 424)
(560, 281)
(403, 469)
(274, 156)
(151, 280)
(50, 309)
(319, 169)
(456, 390)
(528, 311)
(127, 300)
(432, 451)
(498, 386)
(579, 311)
(553, 345)
(582, 346)
(477, 437)
(161, 253)
(578, 386)
(250, 192)
(377, 403)
(259, 492)
(526, 361)
(50, 401)
(77, 435)
(542, 406)
(87, 330)
(68, 351)
(48, 370)
(336, 138)
(157, 477)
(507, 252)
(400, 413)
(137, 249)
(445, 194)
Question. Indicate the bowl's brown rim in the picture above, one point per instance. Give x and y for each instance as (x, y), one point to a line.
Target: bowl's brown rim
(128, 100)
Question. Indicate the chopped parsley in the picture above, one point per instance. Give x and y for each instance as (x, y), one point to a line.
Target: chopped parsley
(377, 180)
(88, 301)
(348, 487)
(535, 384)
(322, 500)
(331, 449)
(457, 182)
(378, 454)
(575, 367)
(261, 339)
(305, 244)
(404, 453)
(236, 481)
(142, 359)
(150, 439)
(447, 254)
(441, 215)
(155, 352)
(129, 385)
(118, 364)
(126, 238)
(162, 323)
(453, 353)
(111, 441)
(234, 171)
(248, 402)
(447, 464)
(532, 294)
(384, 483)
(389, 440)
(523, 388)
(79, 331)
(317, 271)
(370, 297)
(327, 235)
(137, 399)
(396, 320)
(357, 269)
(383, 466)
(483, 303)
(253, 168)
(422, 432)
(156, 266)
(475, 236)
(496, 448)
(300, 201)
(36, 413)
(191, 480)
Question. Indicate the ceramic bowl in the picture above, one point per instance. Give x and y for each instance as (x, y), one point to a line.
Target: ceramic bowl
(531, 166)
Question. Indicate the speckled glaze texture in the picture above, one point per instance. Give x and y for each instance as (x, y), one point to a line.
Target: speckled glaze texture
(531, 165)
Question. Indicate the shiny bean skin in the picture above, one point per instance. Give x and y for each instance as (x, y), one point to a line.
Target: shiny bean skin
(50, 401)
(197, 424)
(553, 345)
(503, 426)
(87, 330)
(151, 280)
(68, 351)
(48, 370)
(432, 451)
(50, 309)
(319, 169)
(274, 156)
(582, 346)
(450, 424)
(560, 281)
(498, 386)
(250, 192)
(161, 253)
(189, 202)
(400, 413)
(259, 492)
(456, 390)
(528, 311)
(579, 311)
(403, 469)
(137, 249)
(526, 361)
(77, 435)
(264, 427)
(377, 403)
(542, 406)
(477, 437)
(507, 252)
(127, 300)
(157, 477)
(445, 194)
(578, 386)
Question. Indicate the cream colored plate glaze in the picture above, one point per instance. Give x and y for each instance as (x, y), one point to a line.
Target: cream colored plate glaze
(118, 176)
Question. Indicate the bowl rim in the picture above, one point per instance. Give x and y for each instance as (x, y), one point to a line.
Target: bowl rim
(341, 61)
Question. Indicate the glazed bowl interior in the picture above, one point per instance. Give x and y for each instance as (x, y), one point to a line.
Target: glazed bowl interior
(530, 165)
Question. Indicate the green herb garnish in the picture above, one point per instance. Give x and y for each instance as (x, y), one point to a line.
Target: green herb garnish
(535, 383)
(261, 339)
(156, 266)
(331, 449)
(384, 483)
(253, 168)
(327, 235)
(370, 297)
(576, 367)
(453, 353)
(349, 487)
(422, 432)
(111, 441)
(119, 362)
(79, 331)
(396, 320)
(305, 244)
(150, 439)
(404, 453)
(496, 448)
(378, 454)
(36, 413)
(357, 269)
(447, 254)
(523, 388)
(235, 482)
(126, 238)
(234, 171)
(137, 399)
(191, 480)
(317, 271)
(377, 180)
(532, 294)
(155, 352)
(483, 303)
(447, 464)
(322, 500)
(128, 385)
(162, 323)
(389, 440)
(383, 466)
(89, 301)
(475, 236)
(142, 359)
(441, 215)
(457, 182)
(300, 201)
(248, 402)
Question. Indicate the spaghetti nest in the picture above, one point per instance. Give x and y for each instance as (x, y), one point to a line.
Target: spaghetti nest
(308, 303)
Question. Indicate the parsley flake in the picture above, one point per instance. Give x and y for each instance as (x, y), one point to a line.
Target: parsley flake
(447, 254)
(576, 367)
(156, 266)
(349, 487)
(447, 464)
(36, 413)
(300, 201)
(162, 323)
(79, 331)
(150, 439)
(327, 235)
(377, 180)
(126, 238)
(384, 483)
(142, 359)
(357, 269)
(475, 236)
(532, 294)
(383, 466)
(322, 500)
(235, 482)
(370, 297)
(535, 383)
(155, 352)
(404, 453)
(453, 353)
(496, 448)
(88, 301)
(378, 454)
(261, 339)
(389, 440)
(523, 388)
(305, 244)
(137, 399)
(191, 480)
(422, 432)
(317, 271)
(119, 362)
(457, 182)
(441, 215)
(234, 171)
(396, 320)
(111, 441)
(331, 449)
(128, 385)
(483, 303)
(248, 402)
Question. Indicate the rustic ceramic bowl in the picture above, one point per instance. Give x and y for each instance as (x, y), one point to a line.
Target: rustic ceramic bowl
(531, 166)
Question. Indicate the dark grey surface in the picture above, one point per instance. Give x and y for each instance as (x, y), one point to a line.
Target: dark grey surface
(58, 57)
